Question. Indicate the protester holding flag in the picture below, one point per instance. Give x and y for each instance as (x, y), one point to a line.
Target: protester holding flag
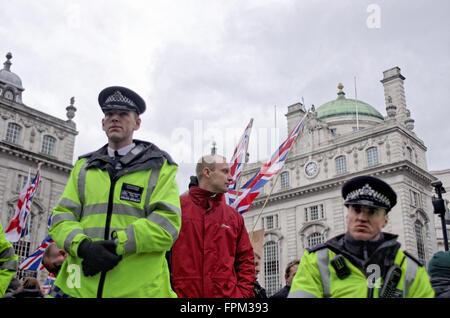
(8, 262)
(213, 256)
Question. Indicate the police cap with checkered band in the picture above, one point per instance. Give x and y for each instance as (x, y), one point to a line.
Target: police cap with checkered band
(120, 98)
(369, 191)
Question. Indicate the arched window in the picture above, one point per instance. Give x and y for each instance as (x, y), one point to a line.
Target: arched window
(341, 165)
(284, 180)
(409, 154)
(418, 228)
(48, 145)
(13, 133)
(314, 239)
(372, 156)
(271, 268)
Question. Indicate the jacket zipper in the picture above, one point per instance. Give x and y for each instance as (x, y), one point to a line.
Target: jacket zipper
(106, 237)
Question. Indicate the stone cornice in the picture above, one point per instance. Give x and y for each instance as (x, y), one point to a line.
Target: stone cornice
(41, 117)
(345, 141)
(419, 174)
(19, 152)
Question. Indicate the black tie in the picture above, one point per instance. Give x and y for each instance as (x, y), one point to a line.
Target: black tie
(116, 159)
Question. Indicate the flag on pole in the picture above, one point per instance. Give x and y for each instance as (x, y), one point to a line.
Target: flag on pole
(249, 192)
(34, 261)
(48, 283)
(18, 226)
(237, 162)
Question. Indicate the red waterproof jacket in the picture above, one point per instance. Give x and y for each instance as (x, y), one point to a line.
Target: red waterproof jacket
(213, 256)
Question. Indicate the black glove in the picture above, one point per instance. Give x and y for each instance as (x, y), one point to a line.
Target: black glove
(98, 256)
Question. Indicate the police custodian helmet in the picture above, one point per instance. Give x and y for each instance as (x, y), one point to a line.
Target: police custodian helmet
(369, 191)
(120, 98)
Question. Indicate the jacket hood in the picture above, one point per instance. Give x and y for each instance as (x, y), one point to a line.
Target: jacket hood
(202, 197)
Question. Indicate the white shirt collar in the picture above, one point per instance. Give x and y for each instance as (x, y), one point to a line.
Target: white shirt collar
(122, 151)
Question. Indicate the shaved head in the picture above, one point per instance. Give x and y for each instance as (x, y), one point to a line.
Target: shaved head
(208, 161)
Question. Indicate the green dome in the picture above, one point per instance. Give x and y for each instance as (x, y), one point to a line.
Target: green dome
(346, 106)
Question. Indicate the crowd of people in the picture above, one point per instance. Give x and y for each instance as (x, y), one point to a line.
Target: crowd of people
(122, 222)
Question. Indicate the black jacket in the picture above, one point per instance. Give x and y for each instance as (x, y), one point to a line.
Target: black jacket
(282, 293)
(441, 286)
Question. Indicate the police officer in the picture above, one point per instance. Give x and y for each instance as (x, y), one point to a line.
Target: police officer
(363, 262)
(119, 213)
(8, 262)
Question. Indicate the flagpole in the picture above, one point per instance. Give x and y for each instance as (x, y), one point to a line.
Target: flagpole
(267, 199)
(245, 156)
(271, 190)
(356, 106)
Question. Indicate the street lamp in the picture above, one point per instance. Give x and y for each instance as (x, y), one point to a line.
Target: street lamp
(439, 208)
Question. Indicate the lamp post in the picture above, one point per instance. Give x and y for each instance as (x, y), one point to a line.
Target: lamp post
(439, 208)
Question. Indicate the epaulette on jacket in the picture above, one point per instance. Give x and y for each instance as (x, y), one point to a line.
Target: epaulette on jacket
(317, 247)
(87, 155)
(413, 258)
(168, 157)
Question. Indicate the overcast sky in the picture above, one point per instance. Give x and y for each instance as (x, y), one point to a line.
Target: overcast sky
(206, 67)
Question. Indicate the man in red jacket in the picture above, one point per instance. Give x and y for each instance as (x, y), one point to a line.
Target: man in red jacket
(213, 256)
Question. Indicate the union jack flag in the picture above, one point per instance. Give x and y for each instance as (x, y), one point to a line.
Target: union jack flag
(48, 283)
(18, 225)
(237, 162)
(34, 261)
(248, 193)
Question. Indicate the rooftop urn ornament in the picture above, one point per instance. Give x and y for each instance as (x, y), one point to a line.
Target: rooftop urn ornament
(341, 93)
(71, 109)
(7, 64)
(391, 109)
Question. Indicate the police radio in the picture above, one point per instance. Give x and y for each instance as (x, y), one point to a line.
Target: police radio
(339, 265)
(389, 289)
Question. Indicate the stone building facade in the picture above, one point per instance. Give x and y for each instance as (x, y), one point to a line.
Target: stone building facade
(28, 137)
(342, 139)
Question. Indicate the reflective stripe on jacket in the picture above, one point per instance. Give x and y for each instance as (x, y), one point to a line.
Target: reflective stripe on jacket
(316, 277)
(8, 262)
(140, 203)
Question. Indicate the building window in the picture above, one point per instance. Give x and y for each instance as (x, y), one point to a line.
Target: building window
(48, 145)
(341, 165)
(22, 249)
(314, 239)
(409, 154)
(284, 180)
(271, 268)
(21, 182)
(418, 227)
(415, 199)
(13, 133)
(314, 212)
(372, 156)
(271, 222)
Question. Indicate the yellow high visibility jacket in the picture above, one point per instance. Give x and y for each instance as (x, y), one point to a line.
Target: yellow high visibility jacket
(317, 278)
(139, 203)
(8, 262)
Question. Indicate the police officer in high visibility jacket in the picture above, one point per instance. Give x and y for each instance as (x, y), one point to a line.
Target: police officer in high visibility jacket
(363, 262)
(119, 213)
(8, 262)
